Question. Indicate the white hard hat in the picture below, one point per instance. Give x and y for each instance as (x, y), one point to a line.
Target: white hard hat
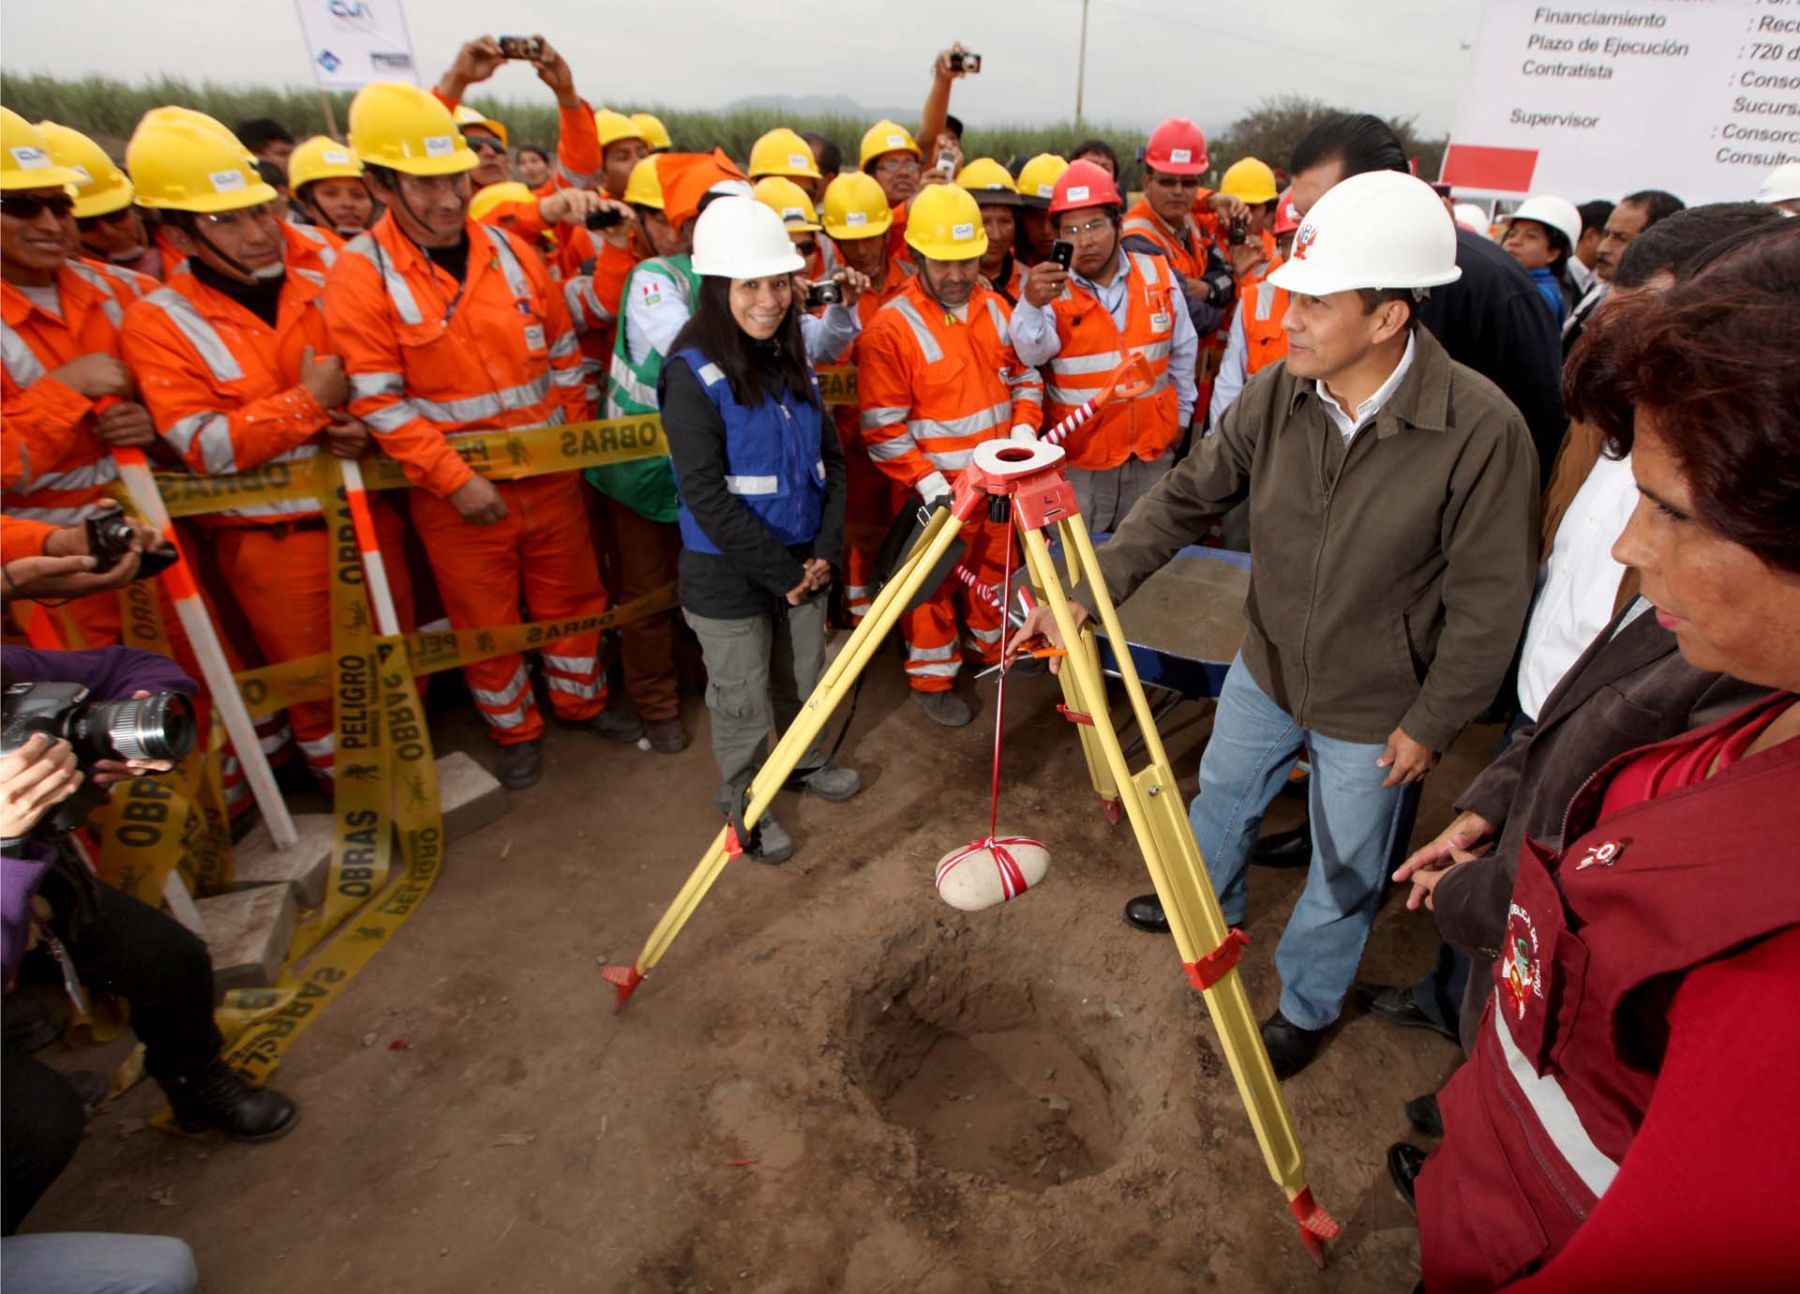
(1470, 217)
(739, 238)
(1782, 184)
(1558, 213)
(1380, 229)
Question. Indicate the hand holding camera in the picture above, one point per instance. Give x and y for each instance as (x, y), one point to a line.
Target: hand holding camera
(1045, 281)
(826, 292)
(957, 61)
(34, 778)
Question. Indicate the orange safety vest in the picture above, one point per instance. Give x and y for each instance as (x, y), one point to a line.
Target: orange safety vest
(1186, 248)
(932, 387)
(53, 467)
(1263, 306)
(1092, 346)
(430, 358)
(222, 385)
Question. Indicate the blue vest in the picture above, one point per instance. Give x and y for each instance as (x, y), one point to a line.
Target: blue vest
(1551, 290)
(773, 460)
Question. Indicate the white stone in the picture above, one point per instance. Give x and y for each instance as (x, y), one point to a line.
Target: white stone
(247, 933)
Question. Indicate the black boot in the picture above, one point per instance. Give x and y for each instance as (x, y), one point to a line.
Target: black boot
(1292, 848)
(216, 1096)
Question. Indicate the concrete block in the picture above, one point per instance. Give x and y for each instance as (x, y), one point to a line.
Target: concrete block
(468, 794)
(305, 866)
(247, 933)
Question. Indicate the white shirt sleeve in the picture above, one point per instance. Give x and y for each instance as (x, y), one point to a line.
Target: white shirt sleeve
(655, 312)
(1234, 369)
(829, 335)
(1033, 332)
(1184, 353)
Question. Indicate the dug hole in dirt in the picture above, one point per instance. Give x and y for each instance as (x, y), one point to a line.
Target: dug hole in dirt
(832, 1082)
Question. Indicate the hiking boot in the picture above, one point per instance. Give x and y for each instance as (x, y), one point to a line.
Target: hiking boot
(617, 725)
(667, 736)
(774, 843)
(944, 708)
(832, 782)
(518, 766)
(216, 1096)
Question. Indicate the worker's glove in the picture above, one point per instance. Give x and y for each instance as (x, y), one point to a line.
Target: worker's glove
(933, 487)
(1024, 433)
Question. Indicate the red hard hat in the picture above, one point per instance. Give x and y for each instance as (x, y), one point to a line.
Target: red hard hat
(1177, 147)
(1084, 184)
(1287, 218)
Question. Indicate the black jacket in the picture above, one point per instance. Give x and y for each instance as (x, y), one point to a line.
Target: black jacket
(753, 570)
(1494, 320)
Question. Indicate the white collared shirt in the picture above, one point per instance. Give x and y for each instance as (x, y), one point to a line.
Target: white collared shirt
(1580, 275)
(1366, 411)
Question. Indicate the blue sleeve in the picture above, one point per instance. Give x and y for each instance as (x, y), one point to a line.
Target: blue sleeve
(110, 673)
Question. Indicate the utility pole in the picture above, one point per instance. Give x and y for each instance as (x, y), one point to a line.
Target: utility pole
(1081, 65)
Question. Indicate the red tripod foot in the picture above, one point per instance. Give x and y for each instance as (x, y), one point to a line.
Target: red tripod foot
(624, 980)
(1316, 1225)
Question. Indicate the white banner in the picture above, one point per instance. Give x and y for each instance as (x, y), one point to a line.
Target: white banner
(1591, 99)
(354, 42)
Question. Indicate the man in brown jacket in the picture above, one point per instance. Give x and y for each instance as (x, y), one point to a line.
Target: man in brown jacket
(1393, 517)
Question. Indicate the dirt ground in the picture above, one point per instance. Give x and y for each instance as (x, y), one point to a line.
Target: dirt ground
(833, 1082)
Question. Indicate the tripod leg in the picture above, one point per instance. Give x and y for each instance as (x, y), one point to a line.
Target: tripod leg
(1208, 949)
(939, 535)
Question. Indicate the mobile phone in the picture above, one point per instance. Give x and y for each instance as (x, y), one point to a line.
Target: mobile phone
(605, 218)
(522, 47)
(946, 164)
(829, 292)
(970, 63)
(1062, 251)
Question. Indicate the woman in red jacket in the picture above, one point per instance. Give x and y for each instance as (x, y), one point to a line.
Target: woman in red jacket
(1628, 1120)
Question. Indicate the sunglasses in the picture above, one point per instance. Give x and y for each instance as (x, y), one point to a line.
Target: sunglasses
(808, 247)
(28, 206)
(118, 217)
(483, 144)
(1176, 181)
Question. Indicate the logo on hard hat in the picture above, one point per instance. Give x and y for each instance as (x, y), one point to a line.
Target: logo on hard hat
(1303, 240)
(334, 158)
(896, 141)
(439, 145)
(1046, 190)
(798, 162)
(962, 233)
(1183, 155)
(792, 213)
(31, 159)
(1078, 193)
(227, 181)
(856, 217)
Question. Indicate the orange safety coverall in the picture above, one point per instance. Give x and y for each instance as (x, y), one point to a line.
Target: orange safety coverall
(22, 538)
(932, 388)
(429, 359)
(224, 389)
(1092, 347)
(871, 497)
(593, 295)
(54, 468)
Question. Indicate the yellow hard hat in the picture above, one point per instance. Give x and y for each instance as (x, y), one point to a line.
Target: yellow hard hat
(643, 188)
(944, 224)
(887, 137)
(404, 128)
(321, 158)
(614, 126)
(467, 116)
(104, 188)
(787, 200)
(179, 165)
(1249, 181)
(1038, 177)
(989, 182)
(491, 196)
(652, 131)
(194, 117)
(25, 161)
(782, 152)
(855, 207)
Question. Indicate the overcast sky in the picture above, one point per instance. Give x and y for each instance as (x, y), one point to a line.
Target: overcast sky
(1146, 58)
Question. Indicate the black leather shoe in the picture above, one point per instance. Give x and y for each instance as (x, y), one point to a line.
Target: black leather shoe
(1145, 913)
(1404, 1160)
(1396, 1005)
(1284, 848)
(1291, 1048)
(216, 1096)
(519, 766)
(1423, 1113)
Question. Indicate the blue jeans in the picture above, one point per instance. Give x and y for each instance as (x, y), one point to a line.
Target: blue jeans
(96, 1262)
(1355, 822)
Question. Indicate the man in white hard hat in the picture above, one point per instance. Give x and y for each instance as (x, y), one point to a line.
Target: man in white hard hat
(1393, 512)
(1782, 189)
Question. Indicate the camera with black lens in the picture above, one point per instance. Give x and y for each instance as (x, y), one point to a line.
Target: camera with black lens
(1238, 232)
(605, 218)
(970, 63)
(109, 538)
(827, 292)
(159, 726)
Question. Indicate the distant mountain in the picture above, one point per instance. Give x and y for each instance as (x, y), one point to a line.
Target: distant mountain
(821, 105)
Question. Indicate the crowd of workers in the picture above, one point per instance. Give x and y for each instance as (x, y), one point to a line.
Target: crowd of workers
(1350, 377)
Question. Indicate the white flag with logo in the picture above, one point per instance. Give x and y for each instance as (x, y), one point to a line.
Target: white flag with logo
(354, 42)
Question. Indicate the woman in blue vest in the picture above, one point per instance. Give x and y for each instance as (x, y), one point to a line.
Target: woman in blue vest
(761, 484)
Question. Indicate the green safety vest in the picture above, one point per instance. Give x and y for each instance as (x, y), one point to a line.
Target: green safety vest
(646, 486)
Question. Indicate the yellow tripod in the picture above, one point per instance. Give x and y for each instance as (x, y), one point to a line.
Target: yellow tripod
(1041, 498)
